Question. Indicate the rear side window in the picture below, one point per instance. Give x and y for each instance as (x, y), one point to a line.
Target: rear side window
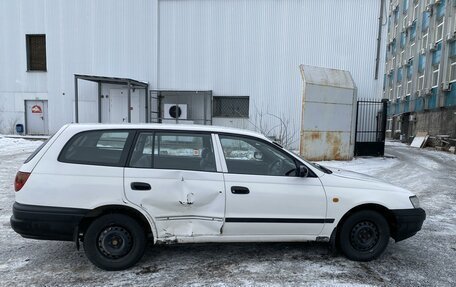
(181, 151)
(107, 148)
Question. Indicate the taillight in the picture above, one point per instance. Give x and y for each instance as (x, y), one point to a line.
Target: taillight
(21, 179)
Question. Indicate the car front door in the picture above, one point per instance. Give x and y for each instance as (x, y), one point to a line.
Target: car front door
(173, 176)
(264, 194)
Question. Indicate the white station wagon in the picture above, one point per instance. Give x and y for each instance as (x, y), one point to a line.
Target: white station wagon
(113, 187)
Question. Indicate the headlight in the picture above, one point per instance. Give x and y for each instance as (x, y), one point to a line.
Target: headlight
(415, 202)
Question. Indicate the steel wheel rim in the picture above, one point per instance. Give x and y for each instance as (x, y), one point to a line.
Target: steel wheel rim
(114, 242)
(364, 236)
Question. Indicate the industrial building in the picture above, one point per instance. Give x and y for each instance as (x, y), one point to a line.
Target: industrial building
(420, 73)
(227, 62)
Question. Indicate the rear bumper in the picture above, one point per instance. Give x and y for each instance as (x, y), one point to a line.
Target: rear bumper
(408, 222)
(46, 222)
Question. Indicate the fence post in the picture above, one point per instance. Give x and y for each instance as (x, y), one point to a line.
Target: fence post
(384, 115)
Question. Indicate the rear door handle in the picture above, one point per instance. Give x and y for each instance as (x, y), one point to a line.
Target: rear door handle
(140, 186)
(239, 190)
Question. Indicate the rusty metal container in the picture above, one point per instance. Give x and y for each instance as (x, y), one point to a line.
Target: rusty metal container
(328, 114)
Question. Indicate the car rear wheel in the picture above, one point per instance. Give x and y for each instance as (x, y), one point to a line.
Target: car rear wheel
(364, 235)
(114, 242)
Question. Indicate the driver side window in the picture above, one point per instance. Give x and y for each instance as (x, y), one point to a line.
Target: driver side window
(250, 156)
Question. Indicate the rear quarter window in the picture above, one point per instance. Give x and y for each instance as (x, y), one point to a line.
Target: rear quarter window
(100, 147)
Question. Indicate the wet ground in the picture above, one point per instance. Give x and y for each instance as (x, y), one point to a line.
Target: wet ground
(427, 259)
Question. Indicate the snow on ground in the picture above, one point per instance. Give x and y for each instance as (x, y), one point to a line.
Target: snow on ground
(427, 259)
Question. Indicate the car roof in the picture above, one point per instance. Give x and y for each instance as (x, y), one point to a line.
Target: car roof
(154, 126)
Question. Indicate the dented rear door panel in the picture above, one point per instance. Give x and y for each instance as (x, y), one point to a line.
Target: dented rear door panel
(182, 203)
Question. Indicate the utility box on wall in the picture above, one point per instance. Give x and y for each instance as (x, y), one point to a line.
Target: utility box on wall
(328, 114)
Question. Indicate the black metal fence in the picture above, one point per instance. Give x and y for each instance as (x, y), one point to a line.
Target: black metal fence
(370, 127)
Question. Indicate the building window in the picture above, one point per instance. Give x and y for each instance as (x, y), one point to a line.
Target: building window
(409, 88)
(424, 41)
(425, 21)
(452, 61)
(396, 16)
(389, 125)
(36, 52)
(421, 82)
(421, 63)
(435, 75)
(399, 83)
(416, 10)
(439, 30)
(436, 55)
(413, 32)
(405, 6)
(412, 50)
(404, 22)
(231, 107)
(398, 124)
(441, 9)
(453, 70)
(409, 79)
(403, 40)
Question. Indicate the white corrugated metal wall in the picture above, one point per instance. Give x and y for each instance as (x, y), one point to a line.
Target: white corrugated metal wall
(254, 48)
(108, 38)
(233, 47)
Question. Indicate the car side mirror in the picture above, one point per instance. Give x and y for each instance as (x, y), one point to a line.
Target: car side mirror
(303, 171)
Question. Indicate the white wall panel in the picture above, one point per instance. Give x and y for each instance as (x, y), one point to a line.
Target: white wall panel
(233, 47)
(254, 48)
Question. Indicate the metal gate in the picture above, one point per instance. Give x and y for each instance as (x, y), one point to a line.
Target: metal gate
(370, 128)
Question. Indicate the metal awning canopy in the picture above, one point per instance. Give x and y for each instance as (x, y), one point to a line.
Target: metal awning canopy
(132, 84)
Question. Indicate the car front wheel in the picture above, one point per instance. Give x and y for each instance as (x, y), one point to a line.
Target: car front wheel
(114, 242)
(364, 235)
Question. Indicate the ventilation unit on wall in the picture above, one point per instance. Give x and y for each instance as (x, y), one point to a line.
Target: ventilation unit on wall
(446, 87)
(175, 111)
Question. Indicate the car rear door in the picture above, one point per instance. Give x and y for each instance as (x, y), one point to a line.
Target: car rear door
(174, 176)
(264, 196)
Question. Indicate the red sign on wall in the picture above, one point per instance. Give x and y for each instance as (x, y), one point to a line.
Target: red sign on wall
(36, 109)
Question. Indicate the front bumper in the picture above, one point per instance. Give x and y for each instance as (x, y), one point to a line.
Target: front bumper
(46, 222)
(408, 222)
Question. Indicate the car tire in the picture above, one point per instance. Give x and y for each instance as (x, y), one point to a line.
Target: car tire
(114, 242)
(364, 235)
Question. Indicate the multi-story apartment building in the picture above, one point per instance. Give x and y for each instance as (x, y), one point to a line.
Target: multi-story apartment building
(420, 68)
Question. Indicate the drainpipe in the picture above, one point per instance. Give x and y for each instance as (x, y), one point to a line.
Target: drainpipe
(379, 38)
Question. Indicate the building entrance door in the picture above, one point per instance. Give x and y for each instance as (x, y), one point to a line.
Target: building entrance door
(36, 117)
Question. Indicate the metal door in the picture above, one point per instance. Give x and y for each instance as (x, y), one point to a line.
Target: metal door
(118, 106)
(118, 103)
(36, 117)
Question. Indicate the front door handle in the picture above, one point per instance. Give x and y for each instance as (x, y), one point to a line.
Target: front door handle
(239, 190)
(140, 186)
